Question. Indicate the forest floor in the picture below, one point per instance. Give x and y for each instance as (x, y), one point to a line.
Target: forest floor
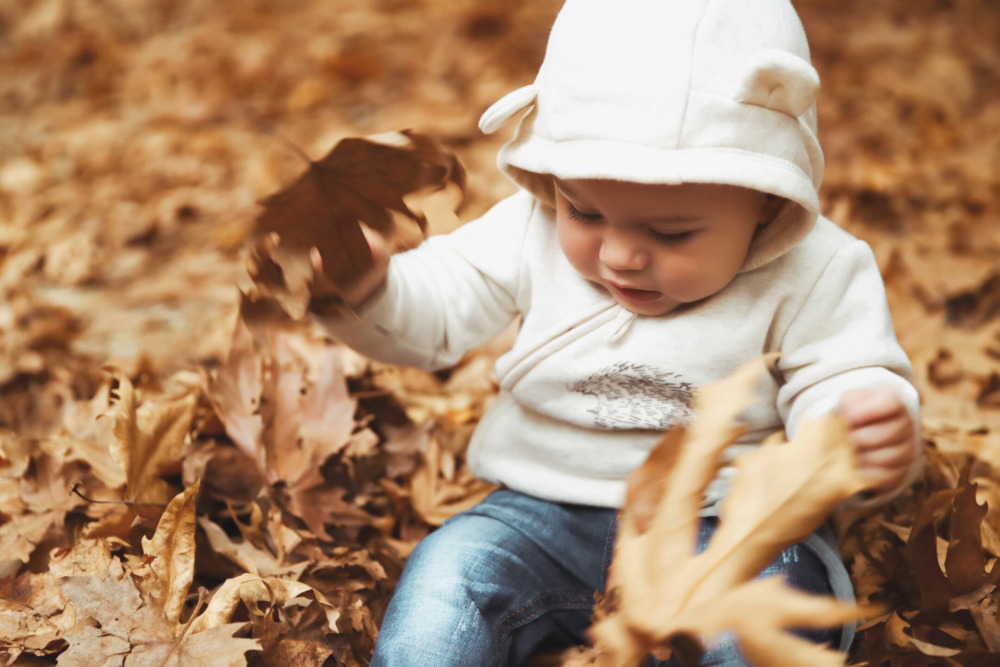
(135, 145)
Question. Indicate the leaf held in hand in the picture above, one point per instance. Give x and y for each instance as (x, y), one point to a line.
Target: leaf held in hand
(362, 180)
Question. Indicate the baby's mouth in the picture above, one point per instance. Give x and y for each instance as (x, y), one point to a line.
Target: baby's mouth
(632, 294)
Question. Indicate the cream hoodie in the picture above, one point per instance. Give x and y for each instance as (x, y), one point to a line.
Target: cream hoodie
(653, 91)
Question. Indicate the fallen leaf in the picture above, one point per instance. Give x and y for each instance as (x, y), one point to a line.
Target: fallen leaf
(131, 631)
(149, 439)
(172, 549)
(249, 590)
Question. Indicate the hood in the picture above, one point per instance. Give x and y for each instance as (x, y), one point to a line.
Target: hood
(673, 91)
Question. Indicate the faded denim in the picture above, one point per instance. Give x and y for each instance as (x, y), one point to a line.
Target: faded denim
(516, 574)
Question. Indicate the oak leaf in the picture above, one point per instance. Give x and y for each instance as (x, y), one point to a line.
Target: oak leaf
(660, 589)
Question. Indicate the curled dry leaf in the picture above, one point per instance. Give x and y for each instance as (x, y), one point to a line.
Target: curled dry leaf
(361, 180)
(172, 548)
(249, 590)
(659, 588)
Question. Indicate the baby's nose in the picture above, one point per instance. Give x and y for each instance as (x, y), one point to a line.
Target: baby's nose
(623, 252)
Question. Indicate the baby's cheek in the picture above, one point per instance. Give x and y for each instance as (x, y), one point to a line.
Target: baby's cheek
(689, 277)
(582, 256)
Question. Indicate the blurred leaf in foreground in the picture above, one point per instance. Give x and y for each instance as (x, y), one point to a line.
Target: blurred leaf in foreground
(659, 590)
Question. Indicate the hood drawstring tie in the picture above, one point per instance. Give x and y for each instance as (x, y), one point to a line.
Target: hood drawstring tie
(622, 323)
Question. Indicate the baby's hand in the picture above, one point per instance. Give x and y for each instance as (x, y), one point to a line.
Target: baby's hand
(883, 432)
(362, 287)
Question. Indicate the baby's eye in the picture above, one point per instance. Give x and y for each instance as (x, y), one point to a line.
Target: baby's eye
(577, 214)
(673, 238)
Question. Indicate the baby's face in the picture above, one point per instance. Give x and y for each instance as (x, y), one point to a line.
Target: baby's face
(655, 247)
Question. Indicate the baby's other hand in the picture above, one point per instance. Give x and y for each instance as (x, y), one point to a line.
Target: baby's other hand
(362, 287)
(884, 435)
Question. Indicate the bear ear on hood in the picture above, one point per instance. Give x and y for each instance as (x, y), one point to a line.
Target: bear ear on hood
(780, 81)
(501, 111)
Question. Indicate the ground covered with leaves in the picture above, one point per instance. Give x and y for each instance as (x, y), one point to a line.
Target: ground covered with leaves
(178, 486)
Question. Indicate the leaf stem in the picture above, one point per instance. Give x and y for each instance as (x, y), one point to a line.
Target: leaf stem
(128, 503)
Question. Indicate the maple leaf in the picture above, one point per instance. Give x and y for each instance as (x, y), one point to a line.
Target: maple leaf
(267, 544)
(20, 535)
(359, 180)
(88, 430)
(149, 439)
(660, 588)
(34, 497)
(116, 626)
(252, 558)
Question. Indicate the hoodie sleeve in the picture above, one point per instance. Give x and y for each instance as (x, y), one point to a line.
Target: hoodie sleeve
(841, 339)
(449, 295)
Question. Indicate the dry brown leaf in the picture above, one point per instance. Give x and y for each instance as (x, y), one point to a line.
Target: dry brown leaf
(437, 495)
(128, 181)
(172, 549)
(90, 432)
(150, 439)
(359, 180)
(117, 626)
(283, 399)
(22, 629)
(659, 588)
(964, 569)
(20, 535)
(249, 590)
(250, 557)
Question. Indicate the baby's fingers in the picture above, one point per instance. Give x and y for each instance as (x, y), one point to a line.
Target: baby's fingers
(880, 434)
(865, 406)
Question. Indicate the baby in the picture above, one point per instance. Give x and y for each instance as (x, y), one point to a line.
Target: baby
(665, 231)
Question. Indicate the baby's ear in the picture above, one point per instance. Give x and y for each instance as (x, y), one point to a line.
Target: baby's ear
(780, 81)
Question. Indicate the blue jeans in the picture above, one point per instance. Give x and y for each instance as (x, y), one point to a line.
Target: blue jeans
(516, 574)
